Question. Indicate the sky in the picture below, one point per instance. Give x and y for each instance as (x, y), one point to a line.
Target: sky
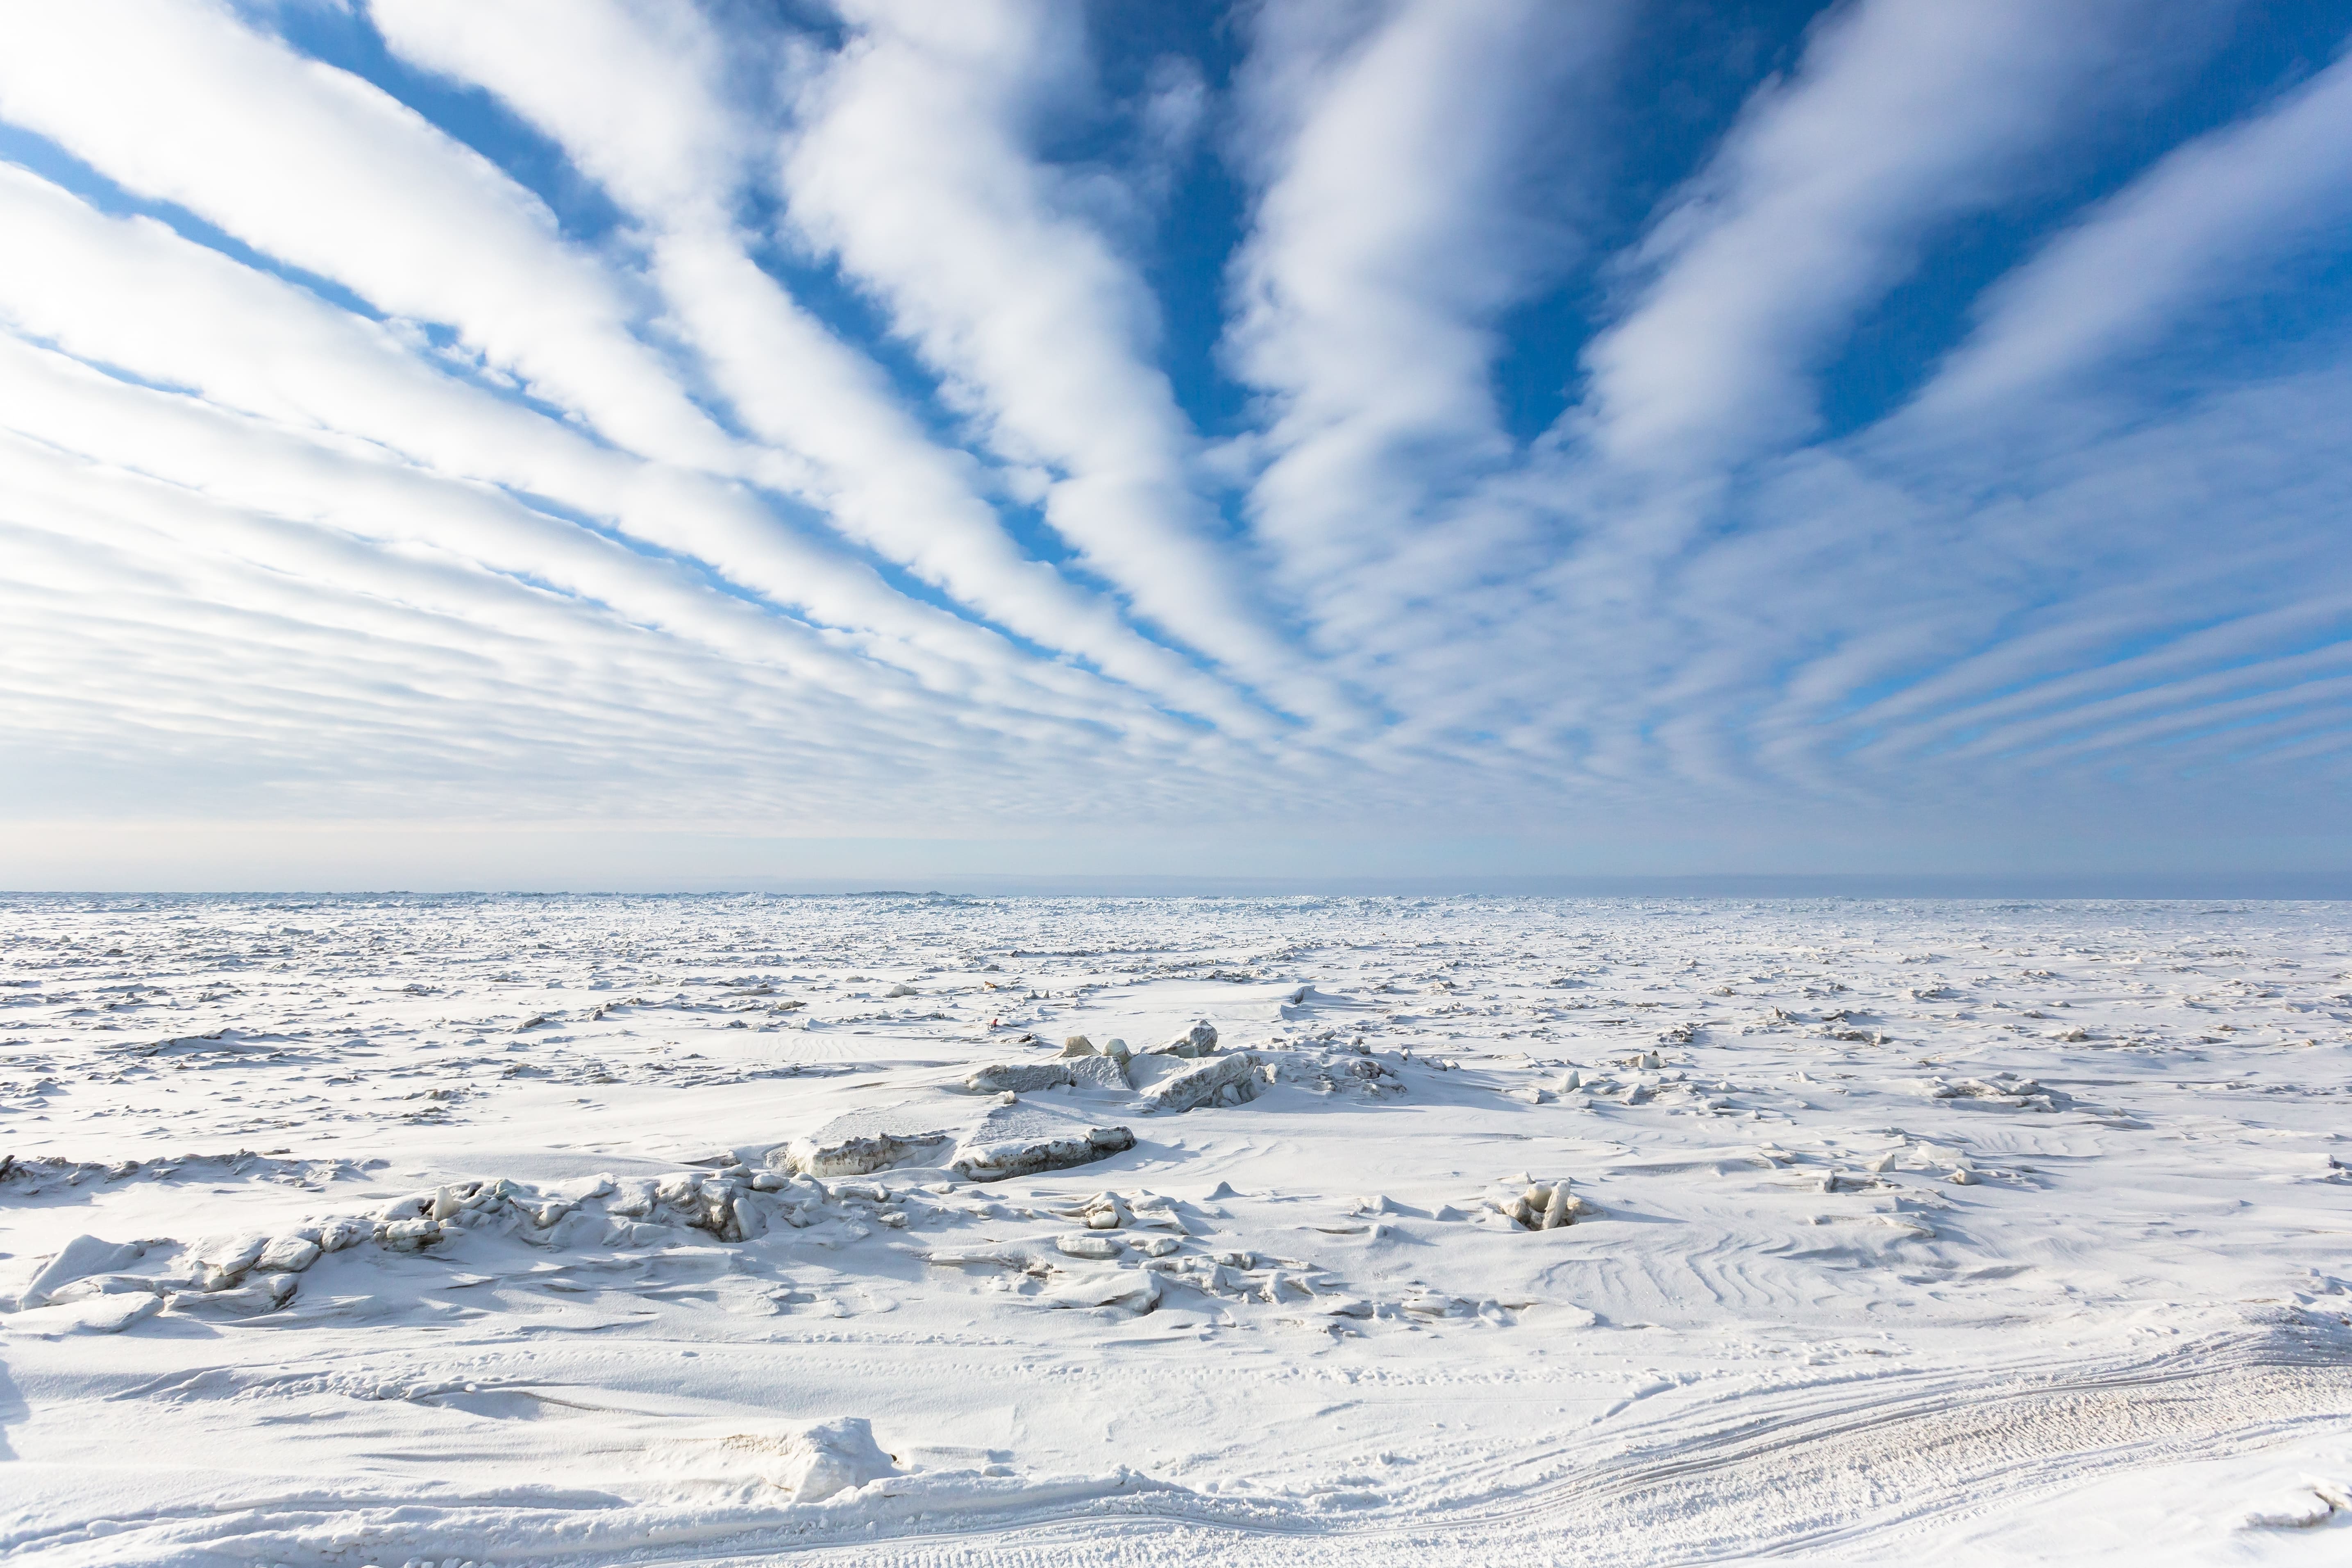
(635, 443)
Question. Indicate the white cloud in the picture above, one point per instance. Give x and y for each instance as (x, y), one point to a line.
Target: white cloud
(1400, 215)
(2213, 221)
(265, 145)
(634, 94)
(175, 101)
(1903, 116)
(914, 163)
(742, 558)
(128, 292)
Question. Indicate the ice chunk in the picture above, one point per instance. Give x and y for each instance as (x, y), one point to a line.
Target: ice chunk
(1158, 1209)
(1541, 1207)
(1077, 1046)
(287, 1255)
(1108, 1211)
(231, 1255)
(342, 1232)
(1097, 1073)
(858, 1156)
(1198, 1086)
(1134, 1291)
(408, 1235)
(1087, 1245)
(416, 1205)
(1326, 1072)
(97, 1314)
(2015, 1093)
(1026, 1157)
(91, 1286)
(1017, 1077)
(84, 1255)
(2298, 1507)
(1200, 1040)
(1088, 1071)
(267, 1294)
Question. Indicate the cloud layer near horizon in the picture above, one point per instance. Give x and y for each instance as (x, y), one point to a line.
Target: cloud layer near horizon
(1375, 414)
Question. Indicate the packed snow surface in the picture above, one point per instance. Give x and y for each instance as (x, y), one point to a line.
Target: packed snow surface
(903, 1229)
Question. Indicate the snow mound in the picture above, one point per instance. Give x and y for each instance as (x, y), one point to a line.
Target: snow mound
(819, 1460)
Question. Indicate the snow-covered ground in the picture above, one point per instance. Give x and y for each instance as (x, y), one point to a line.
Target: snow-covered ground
(442, 1230)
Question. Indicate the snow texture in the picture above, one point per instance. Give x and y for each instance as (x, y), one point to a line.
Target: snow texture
(584, 1230)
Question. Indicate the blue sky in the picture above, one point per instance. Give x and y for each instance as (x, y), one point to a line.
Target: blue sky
(584, 442)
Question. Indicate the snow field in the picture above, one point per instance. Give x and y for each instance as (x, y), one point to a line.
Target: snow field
(943, 1231)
